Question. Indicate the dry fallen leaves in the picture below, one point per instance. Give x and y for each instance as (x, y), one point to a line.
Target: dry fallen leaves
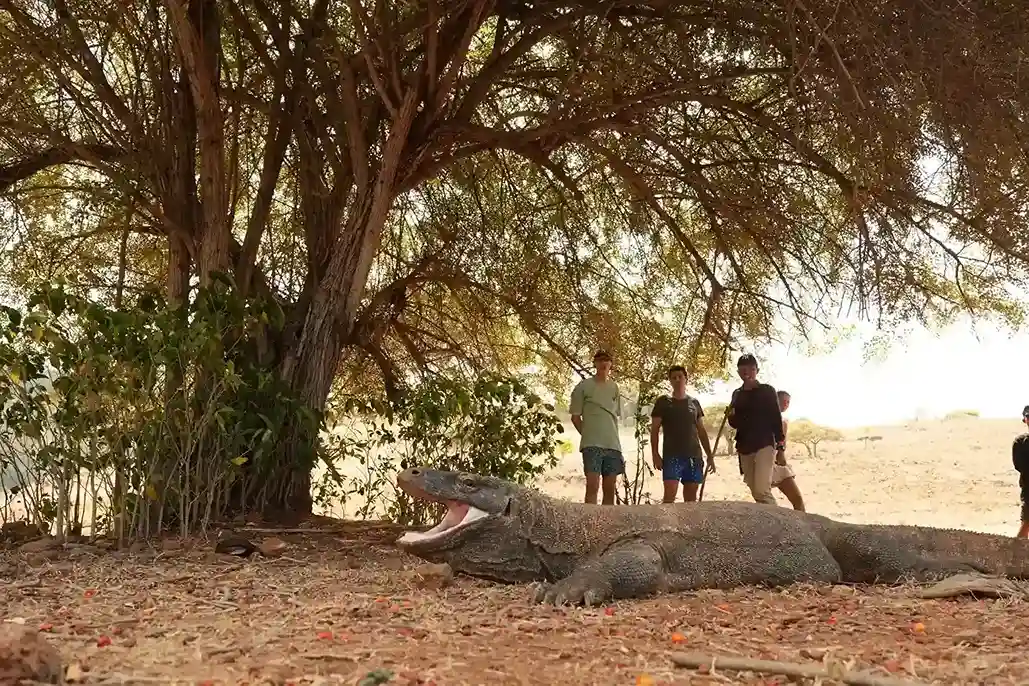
(189, 618)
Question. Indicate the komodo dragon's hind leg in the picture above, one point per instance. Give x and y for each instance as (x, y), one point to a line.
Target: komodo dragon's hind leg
(626, 570)
(870, 556)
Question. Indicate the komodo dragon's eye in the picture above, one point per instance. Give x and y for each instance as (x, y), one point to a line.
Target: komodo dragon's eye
(466, 480)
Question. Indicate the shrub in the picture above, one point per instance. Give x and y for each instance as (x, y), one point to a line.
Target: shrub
(493, 425)
(140, 419)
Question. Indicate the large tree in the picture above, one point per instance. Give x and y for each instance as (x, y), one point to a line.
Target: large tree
(556, 172)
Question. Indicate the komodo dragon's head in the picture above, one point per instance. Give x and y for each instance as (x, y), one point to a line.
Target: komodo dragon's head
(481, 533)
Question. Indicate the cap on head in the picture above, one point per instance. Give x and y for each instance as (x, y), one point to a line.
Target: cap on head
(746, 359)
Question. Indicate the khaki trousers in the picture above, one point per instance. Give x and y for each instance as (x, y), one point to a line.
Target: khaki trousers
(757, 474)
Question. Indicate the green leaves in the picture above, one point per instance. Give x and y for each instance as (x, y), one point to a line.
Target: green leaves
(490, 425)
(170, 400)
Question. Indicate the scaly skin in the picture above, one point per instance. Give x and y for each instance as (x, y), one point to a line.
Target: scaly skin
(590, 554)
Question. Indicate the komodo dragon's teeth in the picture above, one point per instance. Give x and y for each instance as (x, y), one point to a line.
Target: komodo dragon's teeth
(458, 515)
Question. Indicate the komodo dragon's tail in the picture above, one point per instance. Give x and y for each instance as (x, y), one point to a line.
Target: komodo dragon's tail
(991, 553)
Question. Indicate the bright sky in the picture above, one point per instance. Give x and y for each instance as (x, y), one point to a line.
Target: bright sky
(924, 374)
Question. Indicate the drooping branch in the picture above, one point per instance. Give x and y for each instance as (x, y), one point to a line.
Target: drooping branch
(94, 154)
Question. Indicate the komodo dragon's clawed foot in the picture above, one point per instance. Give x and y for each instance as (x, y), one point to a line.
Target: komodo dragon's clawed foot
(572, 591)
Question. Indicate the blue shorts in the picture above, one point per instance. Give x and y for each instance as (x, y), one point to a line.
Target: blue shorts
(688, 470)
(603, 461)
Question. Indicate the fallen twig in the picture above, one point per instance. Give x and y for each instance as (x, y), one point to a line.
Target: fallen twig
(811, 671)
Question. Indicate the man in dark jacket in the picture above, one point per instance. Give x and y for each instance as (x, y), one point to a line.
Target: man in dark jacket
(1020, 456)
(760, 440)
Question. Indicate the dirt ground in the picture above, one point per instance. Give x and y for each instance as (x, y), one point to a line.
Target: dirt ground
(339, 606)
(346, 608)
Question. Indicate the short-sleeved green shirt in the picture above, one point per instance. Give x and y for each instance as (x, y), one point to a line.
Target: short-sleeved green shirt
(600, 405)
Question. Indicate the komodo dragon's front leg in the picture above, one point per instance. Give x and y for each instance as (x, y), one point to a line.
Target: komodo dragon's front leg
(629, 569)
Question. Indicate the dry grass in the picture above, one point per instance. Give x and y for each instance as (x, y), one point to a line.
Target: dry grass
(340, 606)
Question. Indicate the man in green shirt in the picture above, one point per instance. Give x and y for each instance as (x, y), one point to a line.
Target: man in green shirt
(596, 407)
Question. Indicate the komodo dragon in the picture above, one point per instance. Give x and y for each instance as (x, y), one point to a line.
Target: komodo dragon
(588, 554)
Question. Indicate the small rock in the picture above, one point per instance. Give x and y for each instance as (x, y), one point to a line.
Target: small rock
(26, 656)
(272, 547)
(434, 576)
(48, 543)
(813, 653)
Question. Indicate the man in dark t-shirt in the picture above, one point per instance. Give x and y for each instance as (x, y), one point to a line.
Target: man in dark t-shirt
(1020, 457)
(681, 418)
(760, 440)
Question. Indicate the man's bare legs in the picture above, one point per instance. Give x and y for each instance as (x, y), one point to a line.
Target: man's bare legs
(596, 483)
(689, 492)
(1023, 531)
(592, 487)
(602, 466)
(789, 488)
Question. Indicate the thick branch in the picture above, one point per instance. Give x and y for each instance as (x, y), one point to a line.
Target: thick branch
(70, 153)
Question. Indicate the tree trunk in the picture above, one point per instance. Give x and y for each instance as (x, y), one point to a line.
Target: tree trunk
(309, 366)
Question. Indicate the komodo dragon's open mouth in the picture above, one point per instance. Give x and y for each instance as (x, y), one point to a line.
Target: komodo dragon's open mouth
(459, 515)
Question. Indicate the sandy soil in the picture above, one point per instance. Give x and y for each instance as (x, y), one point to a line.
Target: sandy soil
(344, 602)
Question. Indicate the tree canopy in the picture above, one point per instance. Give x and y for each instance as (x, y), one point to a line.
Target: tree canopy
(448, 186)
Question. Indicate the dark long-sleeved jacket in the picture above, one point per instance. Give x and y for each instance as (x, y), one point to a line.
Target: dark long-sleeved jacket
(756, 418)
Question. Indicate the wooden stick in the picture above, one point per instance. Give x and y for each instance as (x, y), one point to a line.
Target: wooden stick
(792, 669)
(714, 449)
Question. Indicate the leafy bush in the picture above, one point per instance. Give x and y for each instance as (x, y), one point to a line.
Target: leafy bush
(147, 417)
(492, 425)
(154, 417)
